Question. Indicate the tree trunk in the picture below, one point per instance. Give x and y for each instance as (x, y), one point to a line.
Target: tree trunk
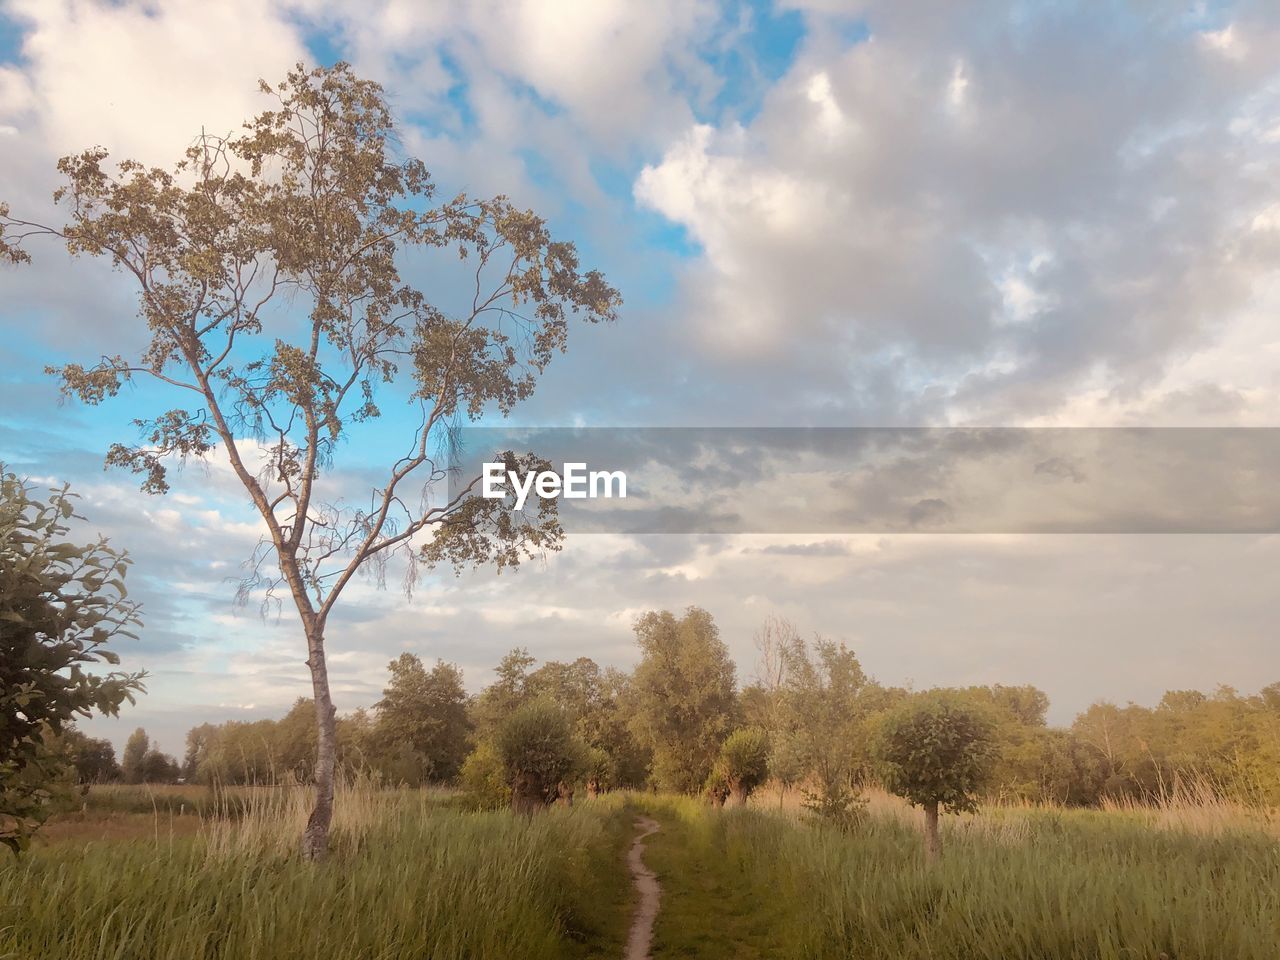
(315, 839)
(527, 794)
(738, 793)
(932, 839)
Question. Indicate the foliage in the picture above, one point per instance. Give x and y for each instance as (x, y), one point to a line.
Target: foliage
(135, 752)
(822, 707)
(937, 749)
(836, 804)
(1225, 739)
(143, 763)
(93, 760)
(484, 778)
(423, 716)
(508, 691)
(682, 698)
(262, 751)
(592, 698)
(539, 752)
(61, 604)
(743, 763)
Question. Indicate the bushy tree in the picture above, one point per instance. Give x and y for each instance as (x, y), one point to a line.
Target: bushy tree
(682, 697)
(937, 749)
(142, 762)
(159, 767)
(743, 763)
(198, 742)
(593, 699)
(94, 760)
(484, 777)
(61, 603)
(508, 691)
(268, 270)
(539, 754)
(422, 720)
(135, 753)
(826, 705)
(292, 744)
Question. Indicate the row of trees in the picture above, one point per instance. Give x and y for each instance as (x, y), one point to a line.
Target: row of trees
(811, 719)
(84, 760)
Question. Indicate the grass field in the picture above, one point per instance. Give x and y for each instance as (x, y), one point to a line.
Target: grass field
(411, 876)
(1013, 884)
(414, 875)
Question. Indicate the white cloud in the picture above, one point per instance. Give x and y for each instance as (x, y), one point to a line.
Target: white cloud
(1128, 169)
(135, 77)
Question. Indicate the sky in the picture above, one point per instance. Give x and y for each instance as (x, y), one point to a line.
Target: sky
(820, 214)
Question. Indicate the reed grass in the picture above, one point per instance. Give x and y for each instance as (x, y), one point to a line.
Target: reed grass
(409, 877)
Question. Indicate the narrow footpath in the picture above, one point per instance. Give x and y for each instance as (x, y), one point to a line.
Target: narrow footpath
(646, 882)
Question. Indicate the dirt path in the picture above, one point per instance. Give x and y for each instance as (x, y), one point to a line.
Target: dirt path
(646, 882)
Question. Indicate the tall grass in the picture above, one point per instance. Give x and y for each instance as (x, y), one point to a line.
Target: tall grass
(408, 878)
(1083, 885)
(413, 875)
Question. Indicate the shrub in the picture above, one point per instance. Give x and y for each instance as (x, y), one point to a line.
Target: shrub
(484, 778)
(743, 763)
(539, 754)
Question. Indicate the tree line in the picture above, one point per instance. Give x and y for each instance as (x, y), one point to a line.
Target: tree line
(811, 719)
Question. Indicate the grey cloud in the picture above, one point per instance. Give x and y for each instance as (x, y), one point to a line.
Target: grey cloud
(825, 548)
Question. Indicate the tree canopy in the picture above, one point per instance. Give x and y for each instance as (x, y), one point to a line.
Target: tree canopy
(937, 750)
(683, 698)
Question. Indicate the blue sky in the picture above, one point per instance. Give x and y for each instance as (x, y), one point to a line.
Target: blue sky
(819, 213)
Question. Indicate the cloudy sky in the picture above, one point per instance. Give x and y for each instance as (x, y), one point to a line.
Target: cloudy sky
(822, 213)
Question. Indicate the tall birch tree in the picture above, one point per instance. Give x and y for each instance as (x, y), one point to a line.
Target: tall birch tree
(269, 268)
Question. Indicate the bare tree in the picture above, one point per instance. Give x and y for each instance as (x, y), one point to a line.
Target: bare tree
(774, 642)
(268, 268)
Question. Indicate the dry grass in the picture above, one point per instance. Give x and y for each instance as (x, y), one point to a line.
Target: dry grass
(88, 827)
(265, 820)
(1194, 807)
(1197, 808)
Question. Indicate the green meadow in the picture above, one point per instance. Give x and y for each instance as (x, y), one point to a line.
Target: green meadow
(183, 873)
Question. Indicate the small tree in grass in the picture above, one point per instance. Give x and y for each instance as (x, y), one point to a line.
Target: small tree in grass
(743, 763)
(539, 753)
(937, 752)
(135, 753)
(484, 777)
